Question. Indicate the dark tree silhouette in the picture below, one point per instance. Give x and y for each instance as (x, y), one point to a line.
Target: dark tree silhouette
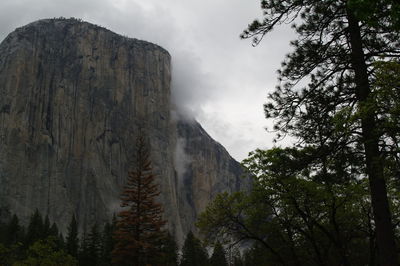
(170, 251)
(107, 244)
(193, 253)
(72, 241)
(139, 229)
(218, 257)
(35, 229)
(12, 233)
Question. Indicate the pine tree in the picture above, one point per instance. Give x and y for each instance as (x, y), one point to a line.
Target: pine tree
(193, 253)
(35, 229)
(57, 236)
(107, 242)
(72, 241)
(12, 232)
(336, 110)
(218, 257)
(83, 252)
(46, 227)
(94, 245)
(139, 230)
(169, 251)
(54, 230)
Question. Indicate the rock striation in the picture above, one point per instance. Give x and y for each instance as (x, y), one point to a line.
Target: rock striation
(73, 97)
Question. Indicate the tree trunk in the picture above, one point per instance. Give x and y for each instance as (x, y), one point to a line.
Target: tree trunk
(380, 204)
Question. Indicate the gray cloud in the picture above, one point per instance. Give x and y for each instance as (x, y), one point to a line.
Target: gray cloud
(217, 78)
(181, 160)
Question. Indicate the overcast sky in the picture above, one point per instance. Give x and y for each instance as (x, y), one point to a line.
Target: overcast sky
(219, 79)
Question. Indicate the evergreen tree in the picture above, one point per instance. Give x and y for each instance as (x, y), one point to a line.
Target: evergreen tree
(46, 227)
(83, 253)
(383, 12)
(59, 239)
(169, 251)
(218, 257)
(54, 230)
(107, 243)
(139, 230)
(336, 52)
(12, 233)
(72, 241)
(35, 229)
(94, 245)
(2, 232)
(45, 252)
(193, 252)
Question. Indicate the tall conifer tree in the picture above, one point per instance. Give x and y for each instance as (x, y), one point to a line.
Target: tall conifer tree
(218, 258)
(94, 246)
(337, 110)
(138, 236)
(193, 252)
(72, 241)
(35, 228)
(107, 242)
(12, 233)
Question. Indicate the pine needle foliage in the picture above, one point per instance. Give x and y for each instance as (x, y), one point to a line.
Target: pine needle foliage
(139, 229)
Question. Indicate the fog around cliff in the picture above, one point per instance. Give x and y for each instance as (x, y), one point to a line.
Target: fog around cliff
(181, 160)
(217, 79)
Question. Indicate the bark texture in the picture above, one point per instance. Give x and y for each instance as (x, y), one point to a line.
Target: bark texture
(380, 204)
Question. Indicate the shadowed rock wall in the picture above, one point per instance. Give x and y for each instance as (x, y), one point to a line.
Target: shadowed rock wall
(72, 99)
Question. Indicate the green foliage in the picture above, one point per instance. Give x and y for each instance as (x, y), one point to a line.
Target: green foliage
(377, 12)
(45, 253)
(49, 247)
(10, 254)
(338, 112)
(295, 212)
(193, 252)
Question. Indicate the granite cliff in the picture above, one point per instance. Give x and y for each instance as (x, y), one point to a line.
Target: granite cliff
(72, 99)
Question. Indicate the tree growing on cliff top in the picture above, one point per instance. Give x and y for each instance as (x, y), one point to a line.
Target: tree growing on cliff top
(336, 110)
(139, 228)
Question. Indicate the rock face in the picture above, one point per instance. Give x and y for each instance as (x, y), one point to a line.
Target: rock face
(73, 97)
